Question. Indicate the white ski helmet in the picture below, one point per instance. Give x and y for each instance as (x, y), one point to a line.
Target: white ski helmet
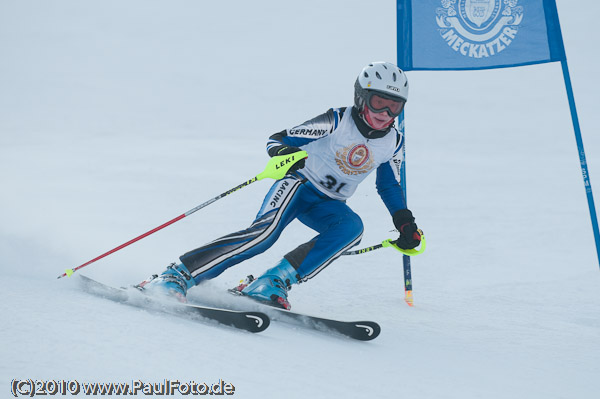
(384, 79)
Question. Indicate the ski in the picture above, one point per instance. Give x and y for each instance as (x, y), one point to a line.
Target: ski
(250, 321)
(359, 330)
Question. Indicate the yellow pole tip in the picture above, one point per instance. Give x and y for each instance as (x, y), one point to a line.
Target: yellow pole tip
(408, 298)
(69, 272)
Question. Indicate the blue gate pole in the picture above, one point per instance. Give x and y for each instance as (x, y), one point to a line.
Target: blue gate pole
(408, 295)
(584, 169)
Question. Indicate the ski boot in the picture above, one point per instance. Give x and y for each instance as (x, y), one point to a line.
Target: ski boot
(173, 282)
(272, 287)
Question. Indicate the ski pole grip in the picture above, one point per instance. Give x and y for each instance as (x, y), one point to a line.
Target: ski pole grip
(278, 166)
(409, 252)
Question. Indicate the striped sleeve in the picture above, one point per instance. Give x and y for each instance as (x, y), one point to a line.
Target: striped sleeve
(311, 130)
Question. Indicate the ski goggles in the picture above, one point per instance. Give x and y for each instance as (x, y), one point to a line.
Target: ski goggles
(378, 102)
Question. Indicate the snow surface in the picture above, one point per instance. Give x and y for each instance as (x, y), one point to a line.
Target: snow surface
(118, 116)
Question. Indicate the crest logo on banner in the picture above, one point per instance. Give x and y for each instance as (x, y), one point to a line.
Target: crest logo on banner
(479, 28)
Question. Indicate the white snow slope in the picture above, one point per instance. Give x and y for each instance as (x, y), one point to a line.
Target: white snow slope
(118, 116)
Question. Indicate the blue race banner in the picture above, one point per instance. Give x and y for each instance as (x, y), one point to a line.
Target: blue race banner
(477, 34)
(484, 34)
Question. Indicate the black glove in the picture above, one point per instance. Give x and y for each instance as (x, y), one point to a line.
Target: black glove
(285, 150)
(409, 235)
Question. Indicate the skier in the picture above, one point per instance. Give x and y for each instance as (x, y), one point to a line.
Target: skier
(344, 145)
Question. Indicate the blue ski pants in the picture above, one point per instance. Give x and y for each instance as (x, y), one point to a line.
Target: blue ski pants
(290, 198)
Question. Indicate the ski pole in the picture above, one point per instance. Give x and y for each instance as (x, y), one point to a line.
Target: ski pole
(389, 243)
(408, 297)
(276, 168)
(363, 250)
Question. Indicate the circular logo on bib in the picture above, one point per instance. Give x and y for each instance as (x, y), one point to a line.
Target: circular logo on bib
(479, 28)
(354, 159)
(358, 155)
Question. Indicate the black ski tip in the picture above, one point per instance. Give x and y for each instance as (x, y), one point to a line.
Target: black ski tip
(366, 330)
(257, 321)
